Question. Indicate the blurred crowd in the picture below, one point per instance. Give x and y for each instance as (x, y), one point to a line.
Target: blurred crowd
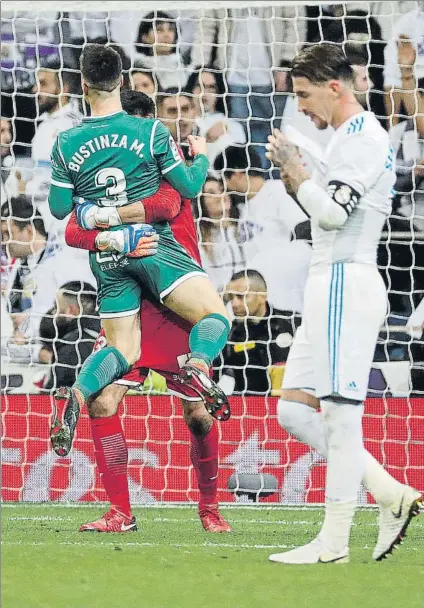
(223, 74)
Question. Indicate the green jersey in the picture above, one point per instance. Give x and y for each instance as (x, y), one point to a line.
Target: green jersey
(118, 159)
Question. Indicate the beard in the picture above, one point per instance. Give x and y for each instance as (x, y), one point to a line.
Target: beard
(47, 104)
(320, 124)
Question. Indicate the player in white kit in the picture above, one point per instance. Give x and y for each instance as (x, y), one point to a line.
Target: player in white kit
(329, 363)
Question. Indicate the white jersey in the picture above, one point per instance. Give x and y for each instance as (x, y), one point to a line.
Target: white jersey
(360, 166)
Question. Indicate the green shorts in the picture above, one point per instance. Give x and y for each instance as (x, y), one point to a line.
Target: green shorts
(123, 282)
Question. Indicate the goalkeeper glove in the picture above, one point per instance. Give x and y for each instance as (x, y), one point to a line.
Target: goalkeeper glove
(90, 215)
(135, 240)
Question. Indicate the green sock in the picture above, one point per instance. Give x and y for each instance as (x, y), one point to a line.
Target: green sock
(208, 337)
(100, 369)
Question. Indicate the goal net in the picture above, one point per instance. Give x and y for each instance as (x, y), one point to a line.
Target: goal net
(221, 71)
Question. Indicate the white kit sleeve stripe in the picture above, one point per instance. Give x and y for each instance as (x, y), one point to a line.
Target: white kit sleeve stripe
(152, 137)
(60, 152)
(165, 171)
(62, 184)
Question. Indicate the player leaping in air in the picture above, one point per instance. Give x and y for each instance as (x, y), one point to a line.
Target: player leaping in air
(345, 304)
(115, 159)
(164, 345)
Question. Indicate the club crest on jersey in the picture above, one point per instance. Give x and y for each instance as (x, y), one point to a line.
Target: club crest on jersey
(174, 149)
(342, 195)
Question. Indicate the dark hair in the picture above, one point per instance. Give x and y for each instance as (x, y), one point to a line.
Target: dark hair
(150, 21)
(205, 224)
(137, 103)
(235, 158)
(23, 213)
(101, 67)
(171, 92)
(254, 276)
(420, 85)
(356, 54)
(322, 62)
(194, 81)
(140, 69)
(81, 293)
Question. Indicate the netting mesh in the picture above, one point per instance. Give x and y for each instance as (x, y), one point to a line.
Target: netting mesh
(219, 71)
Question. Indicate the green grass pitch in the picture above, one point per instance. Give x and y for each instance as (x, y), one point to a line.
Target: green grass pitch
(172, 563)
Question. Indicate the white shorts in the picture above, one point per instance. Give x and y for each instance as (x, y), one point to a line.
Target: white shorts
(332, 352)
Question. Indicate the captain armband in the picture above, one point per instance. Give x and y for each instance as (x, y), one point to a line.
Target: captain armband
(343, 195)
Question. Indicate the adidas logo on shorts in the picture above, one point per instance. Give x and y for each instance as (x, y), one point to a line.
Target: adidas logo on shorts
(352, 386)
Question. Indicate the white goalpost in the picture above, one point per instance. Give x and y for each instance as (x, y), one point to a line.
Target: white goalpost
(254, 97)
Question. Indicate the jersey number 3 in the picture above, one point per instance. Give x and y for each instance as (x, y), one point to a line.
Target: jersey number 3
(113, 179)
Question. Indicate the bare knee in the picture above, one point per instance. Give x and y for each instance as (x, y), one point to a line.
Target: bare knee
(194, 299)
(300, 396)
(107, 402)
(198, 420)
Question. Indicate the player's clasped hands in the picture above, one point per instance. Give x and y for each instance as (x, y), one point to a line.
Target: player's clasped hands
(132, 240)
(136, 240)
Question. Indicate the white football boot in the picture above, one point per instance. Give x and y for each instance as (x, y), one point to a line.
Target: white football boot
(394, 521)
(312, 553)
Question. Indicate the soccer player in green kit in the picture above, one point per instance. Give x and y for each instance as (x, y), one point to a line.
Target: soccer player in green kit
(115, 159)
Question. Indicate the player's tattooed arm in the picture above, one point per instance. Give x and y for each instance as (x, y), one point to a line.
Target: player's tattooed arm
(286, 155)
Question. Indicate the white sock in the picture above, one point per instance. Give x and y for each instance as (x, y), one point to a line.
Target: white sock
(345, 470)
(306, 424)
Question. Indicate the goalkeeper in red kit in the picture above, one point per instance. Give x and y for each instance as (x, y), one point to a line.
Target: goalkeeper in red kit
(159, 327)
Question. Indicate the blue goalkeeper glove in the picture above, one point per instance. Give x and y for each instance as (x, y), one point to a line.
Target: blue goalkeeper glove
(91, 216)
(134, 240)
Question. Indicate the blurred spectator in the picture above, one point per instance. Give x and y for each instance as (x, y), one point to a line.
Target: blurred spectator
(5, 147)
(268, 218)
(68, 332)
(248, 43)
(175, 110)
(220, 250)
(57, 112)
(157, 49)
(26, 39)
(41, 267)
(259, 341)
(208, 90)
(407, 140)
(144, 81)
(410, 26)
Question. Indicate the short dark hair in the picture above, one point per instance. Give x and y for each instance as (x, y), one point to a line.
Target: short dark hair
(150, 21)
(255, 277)
(322, 62)
(420, 85)
(101, 67)
(80, 292)
(235, 158)
(137, 103)
(356, 54)
(172, 92)
(23, 213)
(138, 68)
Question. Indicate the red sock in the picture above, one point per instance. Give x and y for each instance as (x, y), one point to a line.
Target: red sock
(111, 452)
(204, 456)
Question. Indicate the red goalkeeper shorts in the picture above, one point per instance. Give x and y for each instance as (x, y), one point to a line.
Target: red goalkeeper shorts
(164, 349)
